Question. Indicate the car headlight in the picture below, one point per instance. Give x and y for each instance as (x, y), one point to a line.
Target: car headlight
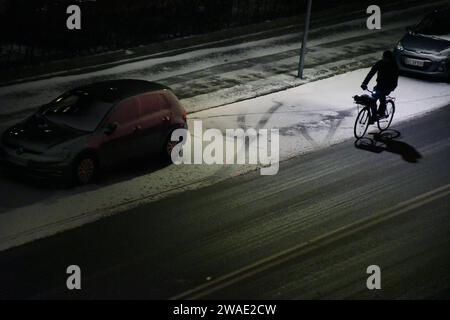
(399, 46)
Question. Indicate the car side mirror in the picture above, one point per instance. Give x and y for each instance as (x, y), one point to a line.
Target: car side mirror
(110, 128)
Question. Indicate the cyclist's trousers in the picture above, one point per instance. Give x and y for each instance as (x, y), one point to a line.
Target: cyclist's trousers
(379, 95)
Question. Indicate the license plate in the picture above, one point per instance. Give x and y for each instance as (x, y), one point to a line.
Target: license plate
(414, 62)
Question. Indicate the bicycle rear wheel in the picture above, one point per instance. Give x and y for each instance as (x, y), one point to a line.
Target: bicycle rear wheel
(383, 124)
(361, 123)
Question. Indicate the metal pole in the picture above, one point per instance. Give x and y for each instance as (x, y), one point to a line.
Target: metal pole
(305, 39)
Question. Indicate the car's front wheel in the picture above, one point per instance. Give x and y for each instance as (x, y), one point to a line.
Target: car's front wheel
(85, 169)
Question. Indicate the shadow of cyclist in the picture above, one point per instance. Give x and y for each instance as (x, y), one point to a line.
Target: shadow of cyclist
(386, 141)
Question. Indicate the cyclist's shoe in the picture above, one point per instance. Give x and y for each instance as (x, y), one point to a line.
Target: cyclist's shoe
(382, 116)
(382, 112)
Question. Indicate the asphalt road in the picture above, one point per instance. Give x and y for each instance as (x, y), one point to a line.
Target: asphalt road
(308, 232)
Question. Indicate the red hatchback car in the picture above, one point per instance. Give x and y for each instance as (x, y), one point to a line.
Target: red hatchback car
(95, 126)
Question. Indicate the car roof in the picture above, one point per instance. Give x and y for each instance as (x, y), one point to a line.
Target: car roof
(116, 90)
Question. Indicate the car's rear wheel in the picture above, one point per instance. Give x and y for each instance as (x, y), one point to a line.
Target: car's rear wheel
(85, 169)
(168, 147)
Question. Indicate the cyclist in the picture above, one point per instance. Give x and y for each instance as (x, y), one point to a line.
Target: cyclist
(387, 80)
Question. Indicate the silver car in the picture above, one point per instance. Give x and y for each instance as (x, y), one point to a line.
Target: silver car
(425, 49)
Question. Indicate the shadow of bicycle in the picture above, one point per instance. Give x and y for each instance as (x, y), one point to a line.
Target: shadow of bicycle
(386, 141)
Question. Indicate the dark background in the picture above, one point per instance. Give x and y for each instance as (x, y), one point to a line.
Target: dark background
(35, 31)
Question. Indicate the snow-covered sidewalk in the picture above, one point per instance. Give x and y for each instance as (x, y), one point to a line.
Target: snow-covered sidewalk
(321, 113)
(309, 117)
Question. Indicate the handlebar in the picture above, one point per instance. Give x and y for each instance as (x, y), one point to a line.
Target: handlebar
(372, 92)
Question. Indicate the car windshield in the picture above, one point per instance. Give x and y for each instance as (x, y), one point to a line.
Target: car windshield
(77, 110)
(436, 24)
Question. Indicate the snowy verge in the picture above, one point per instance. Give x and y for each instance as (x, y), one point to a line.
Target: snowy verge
(309, 117)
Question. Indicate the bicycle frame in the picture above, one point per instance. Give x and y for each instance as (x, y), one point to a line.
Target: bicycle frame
(387, 97)
(390, 98)
(370, 107)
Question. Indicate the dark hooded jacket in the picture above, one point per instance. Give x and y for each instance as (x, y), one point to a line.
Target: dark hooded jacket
(387, 74)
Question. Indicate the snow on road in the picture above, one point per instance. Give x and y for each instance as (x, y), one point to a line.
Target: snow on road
(309, 117)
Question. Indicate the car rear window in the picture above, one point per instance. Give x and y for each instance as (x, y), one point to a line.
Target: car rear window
(152, 102)
(126, 111)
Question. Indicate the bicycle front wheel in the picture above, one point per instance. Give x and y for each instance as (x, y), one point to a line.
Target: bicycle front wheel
(361, 123)
(383, 124)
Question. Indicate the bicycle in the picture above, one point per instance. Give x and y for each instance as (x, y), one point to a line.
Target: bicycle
(365, 104)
